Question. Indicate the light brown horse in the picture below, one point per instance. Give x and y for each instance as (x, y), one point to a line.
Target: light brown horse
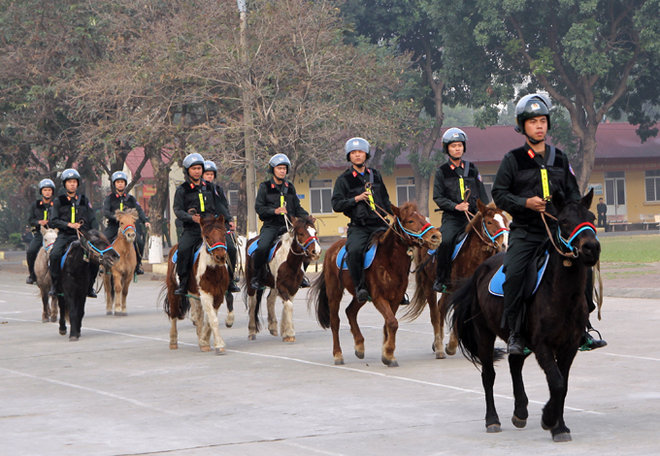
(207, 285)
(117, 280)
(386, 279)
(43, 275)
(284, 278)
(487, 234)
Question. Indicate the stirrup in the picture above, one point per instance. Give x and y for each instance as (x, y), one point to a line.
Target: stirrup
(589, 343)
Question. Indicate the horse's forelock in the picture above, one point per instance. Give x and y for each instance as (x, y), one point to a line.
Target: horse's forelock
(407, 210)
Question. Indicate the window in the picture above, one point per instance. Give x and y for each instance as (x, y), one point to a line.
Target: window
(232, 198)
(652, 182)
(321, 192)
(405, 190)
(488, 180)
(615, 188)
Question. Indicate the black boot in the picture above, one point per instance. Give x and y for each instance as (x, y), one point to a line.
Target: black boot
(361, 294)
(233, 288)
(405, 301)
(91, 293)
(257, 277)
(53, 290)
(443, 268)
(138, 269)
(305, 283)
(30, 280)
(515, 345)
(183, 286)
(587, 342)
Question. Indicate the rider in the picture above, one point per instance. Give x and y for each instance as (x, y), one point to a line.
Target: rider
(361, 195)
(120, 200)
(276, 200)
(194, 199)
(524, 183)
(39, 216)
(71, 211)
(210, 173)
(456, 189)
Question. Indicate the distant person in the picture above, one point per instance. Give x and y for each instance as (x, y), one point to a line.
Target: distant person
(601, 208)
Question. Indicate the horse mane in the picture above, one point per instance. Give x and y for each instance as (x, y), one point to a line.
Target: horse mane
(405, 210)
(130, 212)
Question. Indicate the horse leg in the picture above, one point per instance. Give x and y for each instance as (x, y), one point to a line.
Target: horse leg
(45, 314)
(272, 317)
(252, 317)
(389, 332)
(124, 293)
(229, 320)
(352, 312)
(520, 413)
(174, 335)
(557, 376)
(452, 345)
(211, 322)
(109, 299)
(54, 307)
(436, 321)
(486, 353)
(117, 285)
(286, 326)
(76, 313)
(62, 305)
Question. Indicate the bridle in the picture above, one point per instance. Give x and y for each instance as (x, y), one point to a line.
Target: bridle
(568, 243)
(92, 249)
(416, 237)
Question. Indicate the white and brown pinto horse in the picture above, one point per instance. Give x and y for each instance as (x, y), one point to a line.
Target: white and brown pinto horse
(207, 284)
(284, 279)
(117, 280)
(43, 275)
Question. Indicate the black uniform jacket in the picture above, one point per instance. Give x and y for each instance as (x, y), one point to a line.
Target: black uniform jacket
(115, 201)
(67, 210)
(39, 211)
(202, 199)
(447, 188)
(269, 197)
(351, 184)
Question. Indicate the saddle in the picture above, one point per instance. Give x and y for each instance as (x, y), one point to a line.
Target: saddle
(460, 240)
(197, 249)
(533, 275)
(368, 257)
(271, 255)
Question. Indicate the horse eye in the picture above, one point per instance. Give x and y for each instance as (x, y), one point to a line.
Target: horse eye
(563, 221)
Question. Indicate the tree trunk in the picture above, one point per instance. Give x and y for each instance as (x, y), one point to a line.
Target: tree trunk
(587, 158)
(241, 215)
(158, 202)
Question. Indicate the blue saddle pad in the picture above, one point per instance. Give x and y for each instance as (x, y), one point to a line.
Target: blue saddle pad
(456, 249)
(176, 254)
(368, 258)
(254, 245)
(496, 282)
(64, 256)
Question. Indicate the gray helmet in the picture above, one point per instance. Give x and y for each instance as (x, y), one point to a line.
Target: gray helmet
(279, 159)
(192, 160)
(46, 183)
(357, 144)
(70, 174)
(454, 135)
(119, 175)
(529, 106)
(210, 166)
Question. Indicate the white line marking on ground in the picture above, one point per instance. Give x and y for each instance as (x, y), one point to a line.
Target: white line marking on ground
(630, 356)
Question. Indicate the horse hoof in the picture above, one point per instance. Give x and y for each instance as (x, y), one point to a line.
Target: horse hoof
(205, 348)
(493, 429)
(359, 354)
(220, 351)
(389, 362)
(174, 346)
(450, 351)
(289, 339)
(45, 320)
(252, 337)
(53, 319)
(517, 422)
(545, 427)
(440, 355)
(73, 338)
(229, 321)
(273, 332)
(339, 361)
(62, 332)
(563, 437)
(108, 312)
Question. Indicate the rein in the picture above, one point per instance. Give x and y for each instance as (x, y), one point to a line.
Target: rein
(567, 242)
(91, 248)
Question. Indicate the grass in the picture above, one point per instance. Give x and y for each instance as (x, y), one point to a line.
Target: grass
(630, 249)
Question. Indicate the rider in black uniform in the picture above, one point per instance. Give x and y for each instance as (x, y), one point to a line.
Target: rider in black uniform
(71, 211)
(276, 199)
(519, 190)
(39, 216)
(456, 189)
(120, 200)
(357, 192)
(210, 173)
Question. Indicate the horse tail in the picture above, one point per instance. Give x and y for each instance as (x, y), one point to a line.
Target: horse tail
(418, 301)
(257, 306)
(462, 321)
(319, 296)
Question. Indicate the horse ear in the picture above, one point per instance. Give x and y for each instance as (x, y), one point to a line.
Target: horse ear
(588, 198)
(395, 210)
(558, 200)
(481, 207)
(221, 219)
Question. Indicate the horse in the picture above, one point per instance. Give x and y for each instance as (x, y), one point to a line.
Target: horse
(117, 279)
(486, 234)
(75, 277)
(284, 278)
(43, 275)
(556, 316)
(207, 286)
(386, 279)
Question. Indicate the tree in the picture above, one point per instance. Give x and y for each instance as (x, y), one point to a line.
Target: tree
(594, 58)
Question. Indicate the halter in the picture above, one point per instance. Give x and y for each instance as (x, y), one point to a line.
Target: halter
(578, 229)
(128, 227)
(217, 245)
(497, 234)
(88, 245)
(416, 235)
(47, 247)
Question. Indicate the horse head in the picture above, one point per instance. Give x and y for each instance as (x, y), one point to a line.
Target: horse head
(98, 247)
(304, 232)
(494, 223)
(213, 233)
(127, 221)
(414, 228)
(575, 225)
(49, 238)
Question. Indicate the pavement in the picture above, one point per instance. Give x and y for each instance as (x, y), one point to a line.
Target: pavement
(121, 391)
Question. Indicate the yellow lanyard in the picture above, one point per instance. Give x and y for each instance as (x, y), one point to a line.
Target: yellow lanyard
(546, 185)
(372, 204)
(281, 200)
(201, 202)
(73, 214)
(121, 205)
(45, 215)
(461, 182)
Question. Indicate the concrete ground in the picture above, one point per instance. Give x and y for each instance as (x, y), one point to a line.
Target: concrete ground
(121, 391)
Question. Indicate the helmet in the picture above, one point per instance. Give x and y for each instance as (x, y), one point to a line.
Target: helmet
(68, 174)
(192, 160)
(46, 183)
(210, 166)
(118, 175)
(454, 135)
(357, 144)
(279, 159)
(529, 106)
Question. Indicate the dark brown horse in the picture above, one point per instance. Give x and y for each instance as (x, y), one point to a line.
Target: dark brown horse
(386, 279)
(487, 234)
(207, 285)
(555, 319)
(284, 278)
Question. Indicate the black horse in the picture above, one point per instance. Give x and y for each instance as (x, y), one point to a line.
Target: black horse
(77, 274)
(555, 318)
